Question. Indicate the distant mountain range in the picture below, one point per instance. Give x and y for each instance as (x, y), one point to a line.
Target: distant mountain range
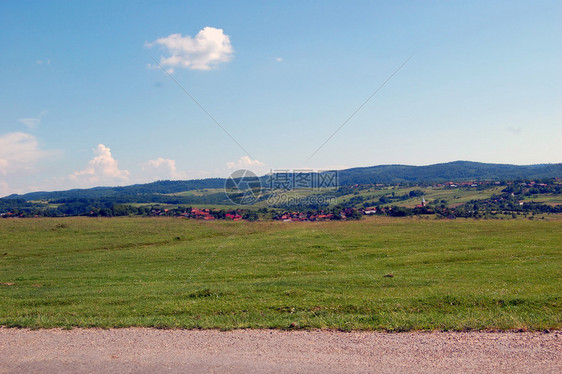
(388, 174)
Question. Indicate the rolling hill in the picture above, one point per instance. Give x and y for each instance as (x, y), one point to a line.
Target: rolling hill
(388, 174)
(451, 171)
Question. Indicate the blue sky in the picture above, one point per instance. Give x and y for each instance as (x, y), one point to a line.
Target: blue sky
(82, 103)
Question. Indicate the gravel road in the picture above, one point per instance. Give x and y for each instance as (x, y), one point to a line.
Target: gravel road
(142, 350)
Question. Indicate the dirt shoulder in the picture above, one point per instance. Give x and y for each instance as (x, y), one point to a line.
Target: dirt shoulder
(143, 350)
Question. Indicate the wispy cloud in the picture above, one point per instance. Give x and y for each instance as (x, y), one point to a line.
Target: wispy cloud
(246, 162)
(6, 190)
(210, 47)
(279, 59)
(19, 152)
(165, 168)
(162, 168)
(33, 122)
(41, 62)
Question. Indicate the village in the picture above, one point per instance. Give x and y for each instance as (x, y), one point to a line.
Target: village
(249, 215)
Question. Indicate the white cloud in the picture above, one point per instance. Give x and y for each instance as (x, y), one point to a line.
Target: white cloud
(279, 59)
(205, 51)
(41, 62)
(19, 152)
(514, 130)
(33, 122)
(162, 168)
(102, 169)
(6, 190)
(246, 162)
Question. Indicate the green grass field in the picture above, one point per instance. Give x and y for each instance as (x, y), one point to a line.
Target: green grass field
(378, 273)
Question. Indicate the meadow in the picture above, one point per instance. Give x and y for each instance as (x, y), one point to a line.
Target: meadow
(380, 273)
